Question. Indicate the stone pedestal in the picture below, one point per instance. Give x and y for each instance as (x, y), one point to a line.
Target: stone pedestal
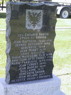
(38, 87)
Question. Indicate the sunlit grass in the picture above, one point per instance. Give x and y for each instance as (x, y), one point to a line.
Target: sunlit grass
(62, 55)
(2, 54)
(63, 22)
(2, 20)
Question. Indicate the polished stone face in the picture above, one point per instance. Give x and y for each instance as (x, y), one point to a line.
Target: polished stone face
(30, 42)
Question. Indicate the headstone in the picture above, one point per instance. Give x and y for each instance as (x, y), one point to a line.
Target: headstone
(30, 41)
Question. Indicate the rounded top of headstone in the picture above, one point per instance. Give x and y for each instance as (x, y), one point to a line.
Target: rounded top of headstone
(36, 3)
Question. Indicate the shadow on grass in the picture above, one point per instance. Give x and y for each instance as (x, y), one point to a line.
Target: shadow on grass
(63, 18)
(2, 15)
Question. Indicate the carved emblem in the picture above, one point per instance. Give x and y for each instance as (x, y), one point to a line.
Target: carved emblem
(34, 19)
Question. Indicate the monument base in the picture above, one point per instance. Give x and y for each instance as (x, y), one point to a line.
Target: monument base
(38, 87)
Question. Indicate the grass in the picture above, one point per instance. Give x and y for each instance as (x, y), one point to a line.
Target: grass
(62, 55)
(63, 23)
(66, 84)
(2, 54)
(2, 20)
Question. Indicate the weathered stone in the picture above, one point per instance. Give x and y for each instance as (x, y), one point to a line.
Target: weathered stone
(30, 41)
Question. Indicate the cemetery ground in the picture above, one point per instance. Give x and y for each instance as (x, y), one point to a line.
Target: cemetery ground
(62, 54)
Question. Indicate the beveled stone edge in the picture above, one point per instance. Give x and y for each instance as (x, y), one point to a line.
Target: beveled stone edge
(8, 47)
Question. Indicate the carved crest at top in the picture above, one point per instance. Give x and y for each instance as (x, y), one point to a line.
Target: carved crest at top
(34, 19)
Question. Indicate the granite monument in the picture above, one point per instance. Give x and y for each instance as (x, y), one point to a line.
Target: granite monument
(30, 41)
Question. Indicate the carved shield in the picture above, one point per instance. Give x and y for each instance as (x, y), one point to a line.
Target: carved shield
(34, 19)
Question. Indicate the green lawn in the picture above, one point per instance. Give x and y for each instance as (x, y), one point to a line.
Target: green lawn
(2, 20)
(2, 54)
(63, 23)
(62, 55)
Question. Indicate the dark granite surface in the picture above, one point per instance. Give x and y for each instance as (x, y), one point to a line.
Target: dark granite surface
(32, 33)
